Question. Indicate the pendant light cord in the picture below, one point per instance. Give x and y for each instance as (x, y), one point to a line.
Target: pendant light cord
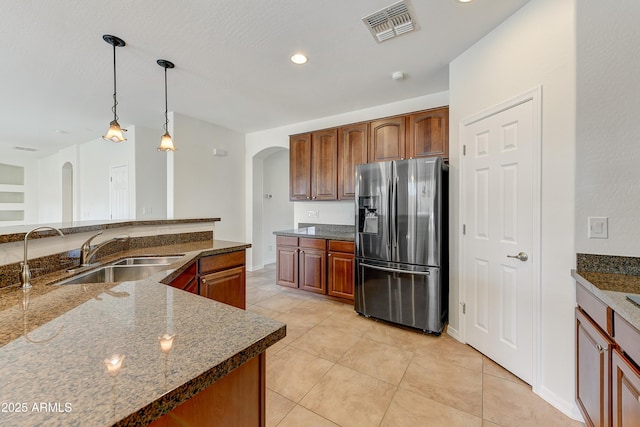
(166, 117)
(115, 99)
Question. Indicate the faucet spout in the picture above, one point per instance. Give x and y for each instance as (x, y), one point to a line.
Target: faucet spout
(87, 253)
(25, 273)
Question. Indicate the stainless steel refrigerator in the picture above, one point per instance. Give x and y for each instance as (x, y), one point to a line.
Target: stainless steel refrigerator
(401, 242)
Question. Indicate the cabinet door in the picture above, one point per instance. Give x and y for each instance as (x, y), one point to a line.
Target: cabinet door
(593, 361)
(287, 266)
(300, 167)
(352, 151)
(429, 134)
(226, 286)
(324, 165)
(387, 139)
(626, 391)
(341, 275)
(313, 267)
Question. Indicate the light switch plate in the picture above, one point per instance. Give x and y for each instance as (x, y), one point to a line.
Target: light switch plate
(598, 227)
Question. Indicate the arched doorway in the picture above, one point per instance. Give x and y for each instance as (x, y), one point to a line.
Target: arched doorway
(272, 209)
(67, 192)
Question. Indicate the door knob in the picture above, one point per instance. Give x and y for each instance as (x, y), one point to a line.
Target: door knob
(521, 256)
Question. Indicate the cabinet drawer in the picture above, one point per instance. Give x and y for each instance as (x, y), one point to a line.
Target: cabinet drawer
(221, 262)
(341, 246)
(313, 243)
(595, 309)
(286, 241)
(627, 337)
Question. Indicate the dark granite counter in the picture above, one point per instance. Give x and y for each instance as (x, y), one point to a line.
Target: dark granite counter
(612, 289)
(56, 343)
(321, 231)
(17, 233)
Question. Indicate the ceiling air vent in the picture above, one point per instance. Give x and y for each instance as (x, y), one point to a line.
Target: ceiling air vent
(25, 149)
(390, 22)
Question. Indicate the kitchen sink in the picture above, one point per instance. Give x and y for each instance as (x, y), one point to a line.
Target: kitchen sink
(115, 273)
(149, 260)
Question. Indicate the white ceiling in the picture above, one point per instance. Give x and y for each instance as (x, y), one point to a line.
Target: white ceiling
(231, 56)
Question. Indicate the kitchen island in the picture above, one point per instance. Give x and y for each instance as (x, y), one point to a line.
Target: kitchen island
(60, 347)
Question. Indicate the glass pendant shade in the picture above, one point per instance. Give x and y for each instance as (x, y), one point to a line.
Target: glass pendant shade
(166, 143)
(115, 133)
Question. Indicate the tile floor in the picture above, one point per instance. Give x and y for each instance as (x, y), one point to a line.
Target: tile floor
(335, 368)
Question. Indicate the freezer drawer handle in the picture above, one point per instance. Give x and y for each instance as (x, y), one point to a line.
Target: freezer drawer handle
(521, 256)
(393, 270)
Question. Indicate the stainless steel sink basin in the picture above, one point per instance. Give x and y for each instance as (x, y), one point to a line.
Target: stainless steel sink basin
(115, 273)
(150, 260)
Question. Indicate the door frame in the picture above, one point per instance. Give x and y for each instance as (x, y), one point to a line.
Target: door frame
(534, 95)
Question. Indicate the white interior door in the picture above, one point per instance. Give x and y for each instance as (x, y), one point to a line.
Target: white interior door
(119, 192)
(498, 217)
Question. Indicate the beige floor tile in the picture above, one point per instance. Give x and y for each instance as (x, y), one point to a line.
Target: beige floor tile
(447, 383)
(446, 348)
(410, 409)
(404, 338)
(302, 417)
(348, 321)
(277, 407)
(280, 303)
(349, 398)
(262, 311)
(325, 342)
(313, 310)
(510, 404)
(296, 326)
(492, 368)
(271, 351)
(378, 360)
(292, 373)
(486, 423)
(256, 295)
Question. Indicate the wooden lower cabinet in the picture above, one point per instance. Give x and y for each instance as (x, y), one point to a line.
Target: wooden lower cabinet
(226, 286)
(312, 270)
(237, 399)
(187, 280)
(626, 391)
(287, 261)
(316, 265)
(341, 260)
(593, 359)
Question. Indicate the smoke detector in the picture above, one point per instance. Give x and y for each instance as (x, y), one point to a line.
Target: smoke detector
(390, 22)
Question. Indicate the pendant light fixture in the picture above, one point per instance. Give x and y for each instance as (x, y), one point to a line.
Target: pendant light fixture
(115, 133)
(166, 143)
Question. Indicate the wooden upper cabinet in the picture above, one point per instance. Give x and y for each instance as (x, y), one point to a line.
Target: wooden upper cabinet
(324, 165)
(300, 167)
(428, 133)
(387, 139)
(352, 151)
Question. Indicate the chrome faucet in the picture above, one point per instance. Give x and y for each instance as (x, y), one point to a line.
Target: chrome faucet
(25, 273)
(86, 252)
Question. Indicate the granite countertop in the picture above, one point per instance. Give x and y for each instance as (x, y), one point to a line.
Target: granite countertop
(321, 231)
(17, 233)
(54, 341)
(612, 289)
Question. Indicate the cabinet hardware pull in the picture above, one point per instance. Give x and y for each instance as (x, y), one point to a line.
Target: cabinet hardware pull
(600, 348)
(204, 280)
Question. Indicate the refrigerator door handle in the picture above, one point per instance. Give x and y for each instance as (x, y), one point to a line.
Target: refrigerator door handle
(395, 212)
(390, 209)
(394, 270)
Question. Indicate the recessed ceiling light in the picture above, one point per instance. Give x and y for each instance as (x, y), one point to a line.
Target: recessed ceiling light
(464, 1)
(299, 59)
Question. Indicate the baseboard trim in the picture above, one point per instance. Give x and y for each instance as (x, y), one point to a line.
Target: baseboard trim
(570, 409)
(255, 267)
(454, 333)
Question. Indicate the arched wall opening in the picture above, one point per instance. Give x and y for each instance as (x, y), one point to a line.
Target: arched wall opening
(272, 209)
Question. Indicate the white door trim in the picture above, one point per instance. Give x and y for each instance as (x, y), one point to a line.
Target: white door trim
(534, 95)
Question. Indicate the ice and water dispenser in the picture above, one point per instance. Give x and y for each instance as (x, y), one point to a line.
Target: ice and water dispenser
(368, 214)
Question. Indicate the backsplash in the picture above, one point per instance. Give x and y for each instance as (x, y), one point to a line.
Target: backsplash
(10, 273)
(608, 264)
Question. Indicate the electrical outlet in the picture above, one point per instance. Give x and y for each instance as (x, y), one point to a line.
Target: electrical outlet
(313, 214)
(598, 227)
